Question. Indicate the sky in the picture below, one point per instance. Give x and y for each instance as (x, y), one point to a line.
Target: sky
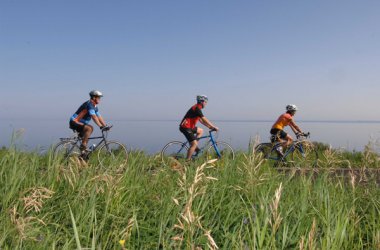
(151, 58)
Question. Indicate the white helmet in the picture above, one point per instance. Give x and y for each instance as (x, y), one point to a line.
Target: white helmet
(291, 107)
(202, 98)
(95, 93)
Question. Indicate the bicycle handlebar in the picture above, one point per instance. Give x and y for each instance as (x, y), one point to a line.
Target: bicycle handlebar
(301, 135)
(106, 128)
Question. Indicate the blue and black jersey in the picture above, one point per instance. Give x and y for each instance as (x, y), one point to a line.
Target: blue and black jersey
(84, 112)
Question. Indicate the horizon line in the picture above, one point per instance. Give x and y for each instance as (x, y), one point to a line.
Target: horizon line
(216, 120)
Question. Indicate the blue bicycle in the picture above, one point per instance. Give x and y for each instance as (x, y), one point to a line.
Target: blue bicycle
(176, 150)
(301, 153)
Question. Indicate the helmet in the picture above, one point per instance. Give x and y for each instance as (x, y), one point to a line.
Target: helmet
(291, 107)
(202, 98)
(95, 93)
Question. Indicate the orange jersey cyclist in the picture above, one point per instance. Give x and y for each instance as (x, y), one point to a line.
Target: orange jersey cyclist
(284, 120)
(80, 120)
(188, 124)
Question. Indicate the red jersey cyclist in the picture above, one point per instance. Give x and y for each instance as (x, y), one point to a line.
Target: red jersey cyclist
(82, 117)
(188, 124)
(284, 120)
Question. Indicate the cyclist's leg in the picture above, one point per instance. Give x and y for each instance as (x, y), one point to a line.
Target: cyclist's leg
(278, 135)
(287, 140)
(193, 147)
(199, 132)
(86, 133)
(190, 135)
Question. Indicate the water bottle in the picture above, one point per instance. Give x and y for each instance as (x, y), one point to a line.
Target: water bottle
(92, 147)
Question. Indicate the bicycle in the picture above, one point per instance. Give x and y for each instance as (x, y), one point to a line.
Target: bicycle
(108, 151)
(176, 150)
(302, 152)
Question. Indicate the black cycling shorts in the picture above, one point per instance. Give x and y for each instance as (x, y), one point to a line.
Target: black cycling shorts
(278, 132)
(190, 134)
(77, 127)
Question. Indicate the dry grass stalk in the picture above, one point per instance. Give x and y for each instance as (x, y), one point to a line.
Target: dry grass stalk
(332, 159)
(352, 180)
(302, 243)
(23, 225)
(276, 218)
(176, 166)
(126, 233)
(35, 198)
(377, 240)
(68, 174)
(310, 242)
(109, 181)
(189, 222)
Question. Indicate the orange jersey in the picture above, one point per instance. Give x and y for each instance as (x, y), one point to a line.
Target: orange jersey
(283, 121)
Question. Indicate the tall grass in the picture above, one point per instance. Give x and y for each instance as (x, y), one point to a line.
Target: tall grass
(240, 204)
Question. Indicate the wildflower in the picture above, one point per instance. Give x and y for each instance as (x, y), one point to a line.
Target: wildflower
(122, 243)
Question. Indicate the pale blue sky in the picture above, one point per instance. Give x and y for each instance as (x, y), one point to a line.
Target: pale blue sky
(150, 58)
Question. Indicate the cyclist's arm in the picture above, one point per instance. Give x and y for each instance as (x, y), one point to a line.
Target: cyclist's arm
(97, 120)
(294, 127)
(102, 121)
(207, 123)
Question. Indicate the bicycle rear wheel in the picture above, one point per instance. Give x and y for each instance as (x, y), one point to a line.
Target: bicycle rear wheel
(66, 150)
(267, 151)
(111, 154)
(174, 151)
(225, 150)
(304, 155)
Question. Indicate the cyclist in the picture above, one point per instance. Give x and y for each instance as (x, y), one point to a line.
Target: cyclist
(189, 121)
(277, 131)
(80, 120)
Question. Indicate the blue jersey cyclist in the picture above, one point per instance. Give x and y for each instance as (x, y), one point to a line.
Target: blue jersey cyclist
(82, 117)
(188, 124)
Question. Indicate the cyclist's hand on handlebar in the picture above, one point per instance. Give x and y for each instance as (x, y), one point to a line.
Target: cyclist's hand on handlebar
(105, 128)
(214, 129)
(302, 134)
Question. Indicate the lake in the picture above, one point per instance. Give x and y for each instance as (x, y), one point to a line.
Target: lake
(151, 136)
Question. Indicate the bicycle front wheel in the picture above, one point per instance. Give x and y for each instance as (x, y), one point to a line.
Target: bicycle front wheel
(305, 155)
(174, 151)
(66, 150)
(111, 154)
(221, 150)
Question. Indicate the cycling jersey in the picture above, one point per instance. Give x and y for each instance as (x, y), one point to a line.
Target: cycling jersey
(283, 121)
(84, 112)
(192, 116)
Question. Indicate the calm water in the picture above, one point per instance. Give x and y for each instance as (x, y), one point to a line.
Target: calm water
(151, 136)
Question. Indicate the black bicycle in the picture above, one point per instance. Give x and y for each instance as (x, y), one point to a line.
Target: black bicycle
(301, 153)
(105, 152)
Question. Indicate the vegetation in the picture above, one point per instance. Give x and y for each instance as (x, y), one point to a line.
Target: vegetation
(239, 204)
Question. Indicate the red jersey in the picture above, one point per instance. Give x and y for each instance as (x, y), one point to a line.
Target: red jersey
(192, 116)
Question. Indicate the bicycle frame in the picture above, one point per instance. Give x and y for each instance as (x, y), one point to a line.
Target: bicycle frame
(78, 139)
(211, 139)
(295, 145)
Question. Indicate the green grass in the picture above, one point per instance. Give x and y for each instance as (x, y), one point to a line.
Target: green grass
(240, 204)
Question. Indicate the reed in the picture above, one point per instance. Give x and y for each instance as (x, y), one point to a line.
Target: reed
(240, 204)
